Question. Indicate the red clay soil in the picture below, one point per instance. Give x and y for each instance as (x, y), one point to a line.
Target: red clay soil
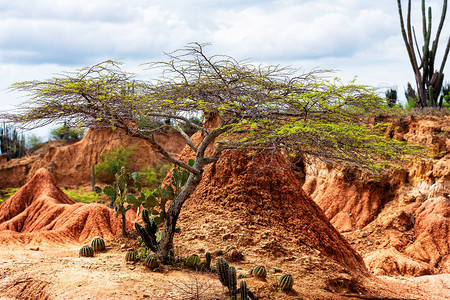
(40, 212)
(269, 197)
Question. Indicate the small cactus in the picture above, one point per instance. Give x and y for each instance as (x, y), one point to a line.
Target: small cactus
(193, 261)
(232, 282)
(145, 216)
(86, 251)
(131, 255)
(286, 282)
(234, 255)
(244, 295)
(152, 262)
(259, 272)
(223, 270)
(208, 260)
(98, 244)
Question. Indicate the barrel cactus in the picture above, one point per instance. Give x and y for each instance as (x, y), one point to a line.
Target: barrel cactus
(98, 244)
(193, 261)
(286, 282)
(86, 251)
(131, 255)
(152, 262)
(259, 272)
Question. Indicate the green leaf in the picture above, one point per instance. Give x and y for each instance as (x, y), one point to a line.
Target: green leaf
(157, 220)
(135, 176)
(191, 162)
(110, 191)
(154, 212)
(151, 201)
(138, 186)
(98, 190)
(132, 200)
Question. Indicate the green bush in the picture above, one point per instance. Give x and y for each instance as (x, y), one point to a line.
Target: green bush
(112, 162)
(153, 177)
(65, 132)
(6, 193)
(80, 196)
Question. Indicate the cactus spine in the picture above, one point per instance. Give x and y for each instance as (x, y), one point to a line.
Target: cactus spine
(208, 260)
(286, 282)
(259, 272)
(86, 251)
(223, 270)
(243, 287)
(131, 255)
(232, 282)
(98, 244)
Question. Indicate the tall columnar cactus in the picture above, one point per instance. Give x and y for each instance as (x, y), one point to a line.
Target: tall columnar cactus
(259, 272)
(222, 270)
(286, 282)
(428, 80)
(232, 282)
(208, 260)
(243, 289)
(86, 251)
(98, 244)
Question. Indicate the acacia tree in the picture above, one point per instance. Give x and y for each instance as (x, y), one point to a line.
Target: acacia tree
(265, 108)
(428, 80)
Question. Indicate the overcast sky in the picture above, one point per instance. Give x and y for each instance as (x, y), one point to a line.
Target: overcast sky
(39, 38)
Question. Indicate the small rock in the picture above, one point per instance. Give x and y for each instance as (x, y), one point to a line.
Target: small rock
(34, 248)
(123, 246)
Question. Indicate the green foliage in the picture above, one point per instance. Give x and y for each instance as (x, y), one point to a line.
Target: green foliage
(113, 161)
(80, 196)
(33, 141)
(12, 144)
(391, 97)
(7, 193)
(65, 132)
(98, 244)
(286, 282)
(120, 191)
(446, 95)
(86, 251)
(152, 177)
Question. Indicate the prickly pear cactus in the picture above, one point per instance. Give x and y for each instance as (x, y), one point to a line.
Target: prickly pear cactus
(152, 262)
(86, 251)
(223, 270)
(131, 255)
(286, 282)
(259, 272)
(98, 244)
(244, 294)
(193, 261)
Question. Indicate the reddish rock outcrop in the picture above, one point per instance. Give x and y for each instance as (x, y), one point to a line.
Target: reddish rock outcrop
(71, 164)
(40, 212)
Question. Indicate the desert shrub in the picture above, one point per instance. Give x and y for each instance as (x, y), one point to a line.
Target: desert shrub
(33, 141)
(6, 193)
(152, 177)
(112, 162)
(65, 132)
(80, 196)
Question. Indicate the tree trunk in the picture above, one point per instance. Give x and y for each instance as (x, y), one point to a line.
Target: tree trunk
(172, 214)
(124, 225)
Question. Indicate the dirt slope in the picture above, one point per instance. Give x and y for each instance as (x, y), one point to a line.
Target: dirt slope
(41, 212)
(71, 164)
(400, 223)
